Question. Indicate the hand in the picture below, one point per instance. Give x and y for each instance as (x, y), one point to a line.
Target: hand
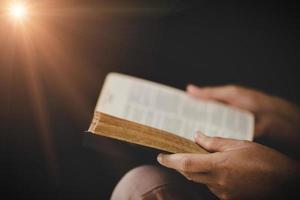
(236, 170)
(274, 116)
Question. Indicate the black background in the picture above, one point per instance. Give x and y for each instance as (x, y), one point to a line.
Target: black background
(171, 42)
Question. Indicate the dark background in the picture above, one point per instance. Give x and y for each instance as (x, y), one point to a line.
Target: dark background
(43, 155)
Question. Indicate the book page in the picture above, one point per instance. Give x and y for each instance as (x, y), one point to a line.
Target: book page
(171, 110)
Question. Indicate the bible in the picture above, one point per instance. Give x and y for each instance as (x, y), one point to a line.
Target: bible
(154, 115)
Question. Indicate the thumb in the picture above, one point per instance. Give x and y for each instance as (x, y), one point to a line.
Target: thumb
(215, 144)
(222, 93)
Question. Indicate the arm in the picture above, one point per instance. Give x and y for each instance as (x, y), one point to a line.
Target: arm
(237, 169)
(276, 118)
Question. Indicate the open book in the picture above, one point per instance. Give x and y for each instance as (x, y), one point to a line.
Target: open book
(158, 116)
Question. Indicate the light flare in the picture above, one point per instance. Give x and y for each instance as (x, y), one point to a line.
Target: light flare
(41, 37)
(18, 10)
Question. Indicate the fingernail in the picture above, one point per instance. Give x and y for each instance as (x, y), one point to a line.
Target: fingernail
(159, 158)
(191, 87)
(198, 134)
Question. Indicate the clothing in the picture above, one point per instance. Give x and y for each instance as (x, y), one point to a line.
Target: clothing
(151, 182)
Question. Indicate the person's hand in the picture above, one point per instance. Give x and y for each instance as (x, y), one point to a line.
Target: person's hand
(236, 170)
(274, 116)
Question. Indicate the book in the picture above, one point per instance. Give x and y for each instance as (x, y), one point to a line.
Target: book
(154, 115)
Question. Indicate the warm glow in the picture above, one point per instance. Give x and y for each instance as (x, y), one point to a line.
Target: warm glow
(18, 10)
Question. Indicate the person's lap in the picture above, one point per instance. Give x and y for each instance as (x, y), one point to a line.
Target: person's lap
(152, 182)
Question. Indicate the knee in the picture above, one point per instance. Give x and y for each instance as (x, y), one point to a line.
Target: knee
(139, 181)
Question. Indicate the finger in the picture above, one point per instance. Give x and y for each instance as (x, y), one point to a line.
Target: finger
(187, 162)
(204, 178)
(220, 93)
(193, 89)
(215, 144)
(261, 126)
(214, 191)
